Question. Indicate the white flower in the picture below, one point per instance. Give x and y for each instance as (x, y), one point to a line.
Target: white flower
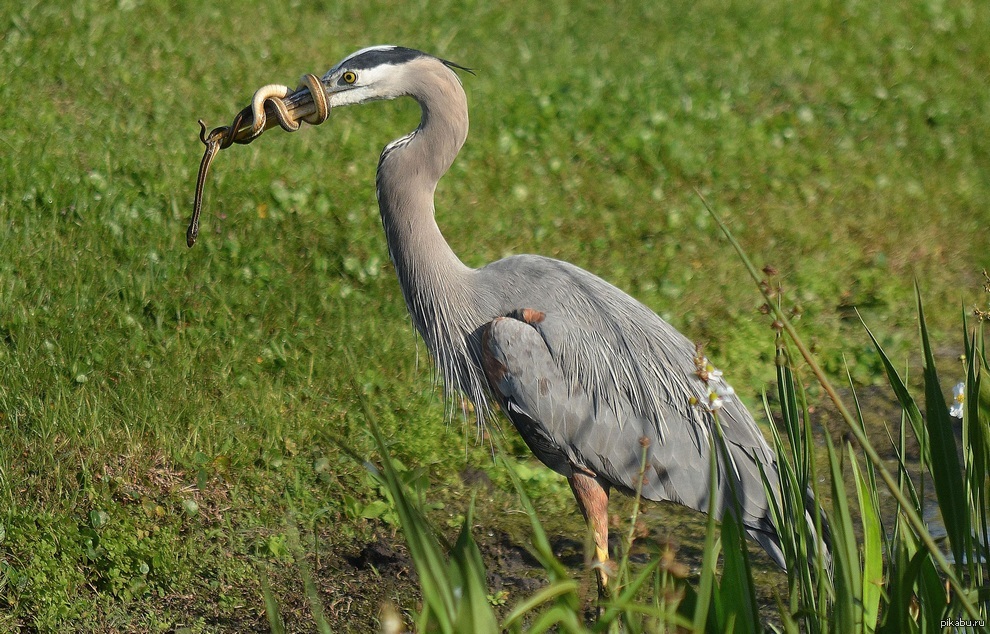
(724, 390)
(715, 402)
(958, 398)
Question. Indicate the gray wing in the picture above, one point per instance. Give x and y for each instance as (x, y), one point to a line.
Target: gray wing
(618, 349)
(556, 414)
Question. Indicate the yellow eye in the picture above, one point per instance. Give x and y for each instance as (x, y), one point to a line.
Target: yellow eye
(349, 77)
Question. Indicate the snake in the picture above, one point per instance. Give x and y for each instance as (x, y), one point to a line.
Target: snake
(249, 124)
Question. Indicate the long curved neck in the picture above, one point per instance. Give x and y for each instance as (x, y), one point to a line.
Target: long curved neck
(408, 173)
(439, 289)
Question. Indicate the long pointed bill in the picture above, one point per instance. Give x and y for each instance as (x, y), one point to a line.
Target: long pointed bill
(272, 104)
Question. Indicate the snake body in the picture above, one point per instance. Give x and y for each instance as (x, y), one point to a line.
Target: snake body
(249, 124)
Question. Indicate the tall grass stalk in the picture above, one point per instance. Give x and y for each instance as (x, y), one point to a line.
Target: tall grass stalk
(798, 475)
(937, 421)
(454, 588)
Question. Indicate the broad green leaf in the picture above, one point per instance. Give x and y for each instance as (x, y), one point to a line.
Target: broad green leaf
(474, 612)
(872, 547)
(945, 468)
(847, 615)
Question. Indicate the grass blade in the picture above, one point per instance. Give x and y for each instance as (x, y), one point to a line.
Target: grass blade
(626, 600)
(848, 575)
(271, 606)
(907, 402)
(900, 591)
(541, 545)
(474, 612)
(738, 591)
(872, 546)
(438, 595)
(945, 468)
(309, 586)
(976, 450)
(707, 595)
(531, 603)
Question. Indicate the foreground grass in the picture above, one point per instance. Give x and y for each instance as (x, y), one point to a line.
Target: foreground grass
(161, 408)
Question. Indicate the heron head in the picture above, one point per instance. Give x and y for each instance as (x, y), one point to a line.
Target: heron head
(377, 72)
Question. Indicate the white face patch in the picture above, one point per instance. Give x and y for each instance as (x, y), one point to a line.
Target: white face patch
(371, 84)
(371, 74)
(379, 72)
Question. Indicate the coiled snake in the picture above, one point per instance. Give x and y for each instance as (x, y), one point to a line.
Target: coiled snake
(288, 107)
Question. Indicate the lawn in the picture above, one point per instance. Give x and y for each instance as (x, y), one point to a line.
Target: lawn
(169, 417)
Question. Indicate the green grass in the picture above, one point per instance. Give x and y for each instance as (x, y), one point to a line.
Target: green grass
(844, 144)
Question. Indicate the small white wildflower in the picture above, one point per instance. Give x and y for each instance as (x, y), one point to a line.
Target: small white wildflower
(715, 401)
(705, 370)
(725, 389)
(958, 398)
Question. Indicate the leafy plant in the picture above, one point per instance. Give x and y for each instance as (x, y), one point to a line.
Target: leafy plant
(915, 565)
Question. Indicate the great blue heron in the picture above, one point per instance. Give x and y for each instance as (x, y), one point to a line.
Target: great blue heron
(590, 377)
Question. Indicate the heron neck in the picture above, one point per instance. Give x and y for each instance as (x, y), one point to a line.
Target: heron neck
(439, 290)
(408, 173)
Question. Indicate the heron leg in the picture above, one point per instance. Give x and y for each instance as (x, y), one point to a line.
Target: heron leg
(591, 494)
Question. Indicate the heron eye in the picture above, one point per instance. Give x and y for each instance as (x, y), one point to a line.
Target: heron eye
(349, 77)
